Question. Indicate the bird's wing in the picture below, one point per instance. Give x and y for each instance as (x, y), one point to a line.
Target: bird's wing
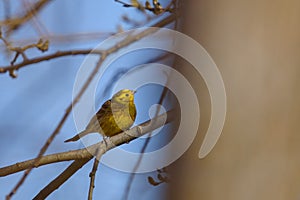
(94, 124)
(104, 110)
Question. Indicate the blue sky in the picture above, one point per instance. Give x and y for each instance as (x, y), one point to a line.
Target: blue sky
(33, 104)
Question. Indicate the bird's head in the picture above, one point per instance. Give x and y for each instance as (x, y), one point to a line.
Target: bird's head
(124, 96)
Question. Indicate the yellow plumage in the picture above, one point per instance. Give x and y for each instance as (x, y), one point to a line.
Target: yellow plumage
(116, 115)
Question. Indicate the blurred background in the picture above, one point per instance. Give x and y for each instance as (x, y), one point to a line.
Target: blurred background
(256, 46)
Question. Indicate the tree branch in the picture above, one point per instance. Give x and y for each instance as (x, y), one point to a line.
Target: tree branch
(93, 174)
(88, 152)
(100, 148)
(127, 41)
(12, 68)
(137, 165)
(59, 180)
(14, 24)
(57, 54)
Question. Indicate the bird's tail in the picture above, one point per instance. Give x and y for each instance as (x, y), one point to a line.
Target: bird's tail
(78, 136)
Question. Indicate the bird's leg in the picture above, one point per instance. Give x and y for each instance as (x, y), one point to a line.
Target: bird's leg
(104, 139)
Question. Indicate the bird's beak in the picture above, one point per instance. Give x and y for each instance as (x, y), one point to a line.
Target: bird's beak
(134, 91)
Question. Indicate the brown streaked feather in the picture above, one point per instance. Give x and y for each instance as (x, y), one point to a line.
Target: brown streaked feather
(104, 121)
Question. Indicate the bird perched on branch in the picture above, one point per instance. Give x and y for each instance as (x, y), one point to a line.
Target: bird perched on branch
(116, 115)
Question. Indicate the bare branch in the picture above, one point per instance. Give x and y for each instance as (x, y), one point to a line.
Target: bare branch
(82, 156)
(57, 54)
(36, 24)
(59, 180)
(132, 175)
(155, 8)
(14, 24)
(93, 174)
(45, 160)
(86, 153)
(128, 40)
(57, 129)
(12, 68)
(65, 38)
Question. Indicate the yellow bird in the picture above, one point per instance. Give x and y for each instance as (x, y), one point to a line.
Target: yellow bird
(116, 115)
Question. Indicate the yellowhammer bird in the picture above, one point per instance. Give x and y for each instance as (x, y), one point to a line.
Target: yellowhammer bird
(116, 115)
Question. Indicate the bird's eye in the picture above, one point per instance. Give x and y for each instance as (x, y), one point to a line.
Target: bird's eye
(126, 95)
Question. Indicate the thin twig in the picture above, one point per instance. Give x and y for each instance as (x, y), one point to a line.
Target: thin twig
(89, 151)
(59, 126)
(102, 148)
(14, 24)
(124, 4)
(128, 40)
(39, 27)
(93, 174)
(132, 175)
(58, 54)
(60, 38)
(155, 8)
(59, 180)
(51, 56)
